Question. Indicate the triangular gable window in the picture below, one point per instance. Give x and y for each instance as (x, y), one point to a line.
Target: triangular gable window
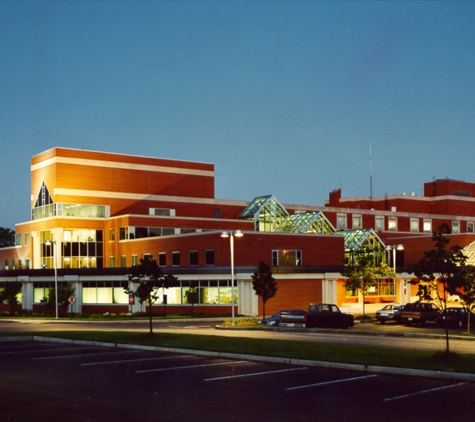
(44, 197)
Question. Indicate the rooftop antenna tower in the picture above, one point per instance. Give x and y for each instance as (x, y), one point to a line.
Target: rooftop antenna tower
(370, 173)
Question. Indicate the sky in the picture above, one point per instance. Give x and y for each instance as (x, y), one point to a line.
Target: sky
(291, 98)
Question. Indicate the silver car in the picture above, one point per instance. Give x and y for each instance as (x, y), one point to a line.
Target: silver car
(390, 313)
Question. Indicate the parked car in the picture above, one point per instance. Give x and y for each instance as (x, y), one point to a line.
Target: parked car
(390, 313)
(456, 317)
(274, 319)
(419, 312)
(328, 315)
(293, 318)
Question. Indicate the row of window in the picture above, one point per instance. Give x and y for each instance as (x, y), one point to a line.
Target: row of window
(16, 265)
(279, 257)
(137, 232)
(210, 292)
(392, 224)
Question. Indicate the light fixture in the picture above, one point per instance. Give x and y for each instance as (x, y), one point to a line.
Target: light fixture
(394, 248)
(231, 234)
(53, 242)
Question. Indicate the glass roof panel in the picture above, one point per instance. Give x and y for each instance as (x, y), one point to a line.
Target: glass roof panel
(311, 222)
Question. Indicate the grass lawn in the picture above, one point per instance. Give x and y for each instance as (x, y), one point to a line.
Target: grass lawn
(413, 359)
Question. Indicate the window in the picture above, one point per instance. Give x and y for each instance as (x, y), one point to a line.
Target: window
(112, 262)
(379, 223)
(123, 261)
(392, 224)
(455, 226)
(427, 226)
(103, 292)
(193, 258)
(217, 213)
(135, 260)
(27, 263)
(18, 239)
(341, 221)
(162, 259)
(176, 259)
(414, 224)
(123, 233)
(469, 227)
(357, 222)
(287, 257)
(111, 235)
(209, 257)
(27, 239)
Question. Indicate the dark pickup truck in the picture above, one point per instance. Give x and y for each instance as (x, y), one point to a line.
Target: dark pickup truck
(322, 315)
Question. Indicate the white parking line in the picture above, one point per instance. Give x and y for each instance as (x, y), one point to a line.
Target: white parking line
(425, 391)
(255, 374)
(134, 360)
(188, 367)
(85, 355)
(330, 382)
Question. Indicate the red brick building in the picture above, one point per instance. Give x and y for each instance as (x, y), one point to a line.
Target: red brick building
(96, 214)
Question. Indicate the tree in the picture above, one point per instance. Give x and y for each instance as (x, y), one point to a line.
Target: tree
(65, 291)
(264, 284)
(148, 275)
(364, 272)
(10, 294)
(192, 296)
(7, 237)
(442, 269)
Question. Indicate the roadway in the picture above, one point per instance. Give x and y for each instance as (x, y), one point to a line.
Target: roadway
(368, 334)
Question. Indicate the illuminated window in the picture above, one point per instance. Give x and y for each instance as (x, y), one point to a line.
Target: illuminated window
(392, 223)
(414, 224)
(427, 226)
(455, 226)
(379, 223)
(287, 257)
(341, 221)
(357, 222)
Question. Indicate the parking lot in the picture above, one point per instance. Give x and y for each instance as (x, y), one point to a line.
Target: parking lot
(60, 381)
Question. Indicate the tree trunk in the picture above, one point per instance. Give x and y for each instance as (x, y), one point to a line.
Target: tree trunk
(150, 316)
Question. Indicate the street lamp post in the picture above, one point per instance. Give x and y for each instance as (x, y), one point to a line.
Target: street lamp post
(231, 234)
(53, 242)
(394, 248)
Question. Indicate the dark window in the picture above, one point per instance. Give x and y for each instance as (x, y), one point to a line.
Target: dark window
(162, 259)
(176, 258)
(209, 257)
(193, 257)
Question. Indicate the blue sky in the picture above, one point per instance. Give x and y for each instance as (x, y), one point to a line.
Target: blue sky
(284, 97)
